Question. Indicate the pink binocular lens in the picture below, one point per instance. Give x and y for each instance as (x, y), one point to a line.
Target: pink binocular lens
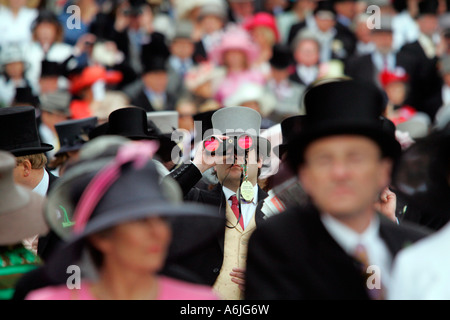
(245, 142)
(212, 144)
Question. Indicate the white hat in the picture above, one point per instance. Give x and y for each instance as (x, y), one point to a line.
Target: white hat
(250, 91)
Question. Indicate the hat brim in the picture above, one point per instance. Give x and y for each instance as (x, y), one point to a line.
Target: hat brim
(280, 150)
(184, 218)
(26, 222)
(65, 149)
(33, 150)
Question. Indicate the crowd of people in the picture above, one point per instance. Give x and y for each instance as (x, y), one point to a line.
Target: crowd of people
(224, 149)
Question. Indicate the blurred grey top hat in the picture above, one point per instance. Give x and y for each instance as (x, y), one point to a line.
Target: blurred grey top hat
(165, 121)
(213, 9)
(21, 209)
(385, 24)
(56, 102)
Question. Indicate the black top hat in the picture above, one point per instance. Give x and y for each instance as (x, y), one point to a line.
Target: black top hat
(25, 96)
(130, 122)
(52, 68)
(290, 127)
(428, 7)
(73, 133)
(205, 119)
(281, 56)
(155, 64)
(18, 131)
(343, 107)
(325, 6)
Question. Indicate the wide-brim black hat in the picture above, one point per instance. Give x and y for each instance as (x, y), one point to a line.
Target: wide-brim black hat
(18, 131)
(135, 190)
(74, 133)
(343, 107)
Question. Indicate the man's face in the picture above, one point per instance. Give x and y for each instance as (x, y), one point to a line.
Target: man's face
(307, 53)
(156, 81)
(229, 174)
(182, 48)
(343, 174)
(383, 41)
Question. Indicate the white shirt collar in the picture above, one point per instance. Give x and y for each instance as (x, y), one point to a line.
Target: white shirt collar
(42, 187)
(228, 193)
(346, 237)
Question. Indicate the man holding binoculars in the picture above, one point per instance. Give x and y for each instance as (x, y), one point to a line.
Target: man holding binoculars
(236, 152)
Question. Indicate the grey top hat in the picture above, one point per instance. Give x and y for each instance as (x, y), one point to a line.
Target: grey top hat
(385, 24)
(56, 102)
(165, 121)
(21, 209)
(235, 121)
(183, 30)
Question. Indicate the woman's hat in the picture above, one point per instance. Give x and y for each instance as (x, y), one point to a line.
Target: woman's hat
(91, 74)
(343, 106)
(234, 39)
(236, 121)
(103, 192)
(250, 91)
(73, 133)
(13, 52)
(263, 19)
(18, 132)
(21, 209)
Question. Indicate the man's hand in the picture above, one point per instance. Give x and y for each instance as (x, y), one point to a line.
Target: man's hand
(203, 160)
(238, 277)
(387, 204)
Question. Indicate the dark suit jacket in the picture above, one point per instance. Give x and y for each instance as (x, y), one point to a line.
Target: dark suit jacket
(207, 261)
(292, 256)
(142, 101)
(343, 35)
(428, 82)
(361, 68)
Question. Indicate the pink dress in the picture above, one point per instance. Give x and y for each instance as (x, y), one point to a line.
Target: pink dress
(169, 289)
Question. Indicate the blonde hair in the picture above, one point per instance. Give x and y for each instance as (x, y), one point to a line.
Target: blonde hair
(38, 160)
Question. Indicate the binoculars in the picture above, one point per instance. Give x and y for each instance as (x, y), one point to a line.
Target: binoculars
(235, 144)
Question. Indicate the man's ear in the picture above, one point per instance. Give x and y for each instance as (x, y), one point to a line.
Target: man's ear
(27, 167)
(302, 176)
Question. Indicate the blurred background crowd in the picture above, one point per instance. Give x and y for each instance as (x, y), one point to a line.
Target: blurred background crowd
(77, 59)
